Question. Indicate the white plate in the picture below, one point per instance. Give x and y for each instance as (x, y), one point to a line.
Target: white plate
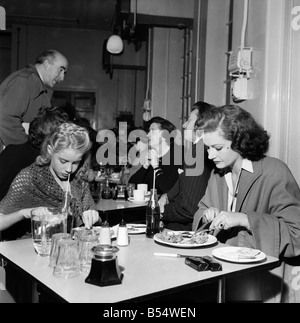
(211, 240)
(231, 254)
(97, 229)
(142, 202)
(133, 228)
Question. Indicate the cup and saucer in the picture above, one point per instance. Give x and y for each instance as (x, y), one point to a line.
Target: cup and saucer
(139, 197)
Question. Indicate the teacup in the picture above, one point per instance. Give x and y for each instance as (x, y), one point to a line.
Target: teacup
(138, 195)
(143, 187)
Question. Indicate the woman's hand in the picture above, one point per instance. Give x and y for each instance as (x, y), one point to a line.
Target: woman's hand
(226, 220)
(210, 214)
(90, 217)
(162, 202)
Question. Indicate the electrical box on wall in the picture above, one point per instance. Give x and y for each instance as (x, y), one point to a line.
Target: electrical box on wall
(239, 89)
(239, 67)
(240, 61)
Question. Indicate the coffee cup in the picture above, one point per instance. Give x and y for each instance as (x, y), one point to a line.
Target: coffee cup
(143, 187)
(138, 195)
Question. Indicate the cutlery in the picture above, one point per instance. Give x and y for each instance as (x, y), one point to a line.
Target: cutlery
(173, 255)
(203, 228)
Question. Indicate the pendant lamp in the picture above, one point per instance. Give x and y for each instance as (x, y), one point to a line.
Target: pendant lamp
(114, 44)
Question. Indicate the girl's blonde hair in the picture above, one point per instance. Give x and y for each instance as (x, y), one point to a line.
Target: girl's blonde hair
(67, 135)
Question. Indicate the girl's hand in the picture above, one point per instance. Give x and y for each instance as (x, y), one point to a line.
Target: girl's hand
(41, 210)
(90, 217)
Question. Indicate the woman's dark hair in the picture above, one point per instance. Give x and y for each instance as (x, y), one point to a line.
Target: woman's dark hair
(44, 123)
(248, 138)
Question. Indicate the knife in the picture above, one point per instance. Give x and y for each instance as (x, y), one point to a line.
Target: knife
(174, 255)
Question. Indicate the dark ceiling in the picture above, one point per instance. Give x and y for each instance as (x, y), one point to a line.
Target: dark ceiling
(93, 14)
(89, 14)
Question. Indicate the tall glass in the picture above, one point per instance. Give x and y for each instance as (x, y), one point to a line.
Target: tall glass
(44, 224)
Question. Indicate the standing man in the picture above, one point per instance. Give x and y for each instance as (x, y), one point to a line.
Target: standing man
(23, 92)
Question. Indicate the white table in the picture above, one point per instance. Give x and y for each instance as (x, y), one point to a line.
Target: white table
(112, 205)
(116, 210)
(145, 275)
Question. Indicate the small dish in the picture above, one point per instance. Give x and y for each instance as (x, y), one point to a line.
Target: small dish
(141, 202)
(238, 254)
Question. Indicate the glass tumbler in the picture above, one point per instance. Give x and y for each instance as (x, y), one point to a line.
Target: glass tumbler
(130, 189)
(67, 264)
(86, 243)
(45, 223)
(54, 246)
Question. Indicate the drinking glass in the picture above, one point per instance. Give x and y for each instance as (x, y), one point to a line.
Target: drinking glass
(86, 243)
(130, 189)
(67, 264)
(54, 246)
(44, 224)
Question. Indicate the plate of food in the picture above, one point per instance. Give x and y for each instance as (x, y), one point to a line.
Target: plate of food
(140, 202)
(238, 254)
(185, 239)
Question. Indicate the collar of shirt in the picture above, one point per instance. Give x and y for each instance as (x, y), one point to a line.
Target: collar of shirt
(232, 193)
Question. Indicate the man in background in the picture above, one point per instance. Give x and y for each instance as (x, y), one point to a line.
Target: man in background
(23, 92)
(180, 203)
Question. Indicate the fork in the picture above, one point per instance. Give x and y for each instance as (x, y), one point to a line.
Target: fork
(202, 228)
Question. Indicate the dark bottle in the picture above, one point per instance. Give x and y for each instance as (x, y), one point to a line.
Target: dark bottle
(107, 193)
(152, 215)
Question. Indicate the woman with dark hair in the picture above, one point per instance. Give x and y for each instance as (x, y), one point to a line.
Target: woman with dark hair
(163, 157)
(252, 201)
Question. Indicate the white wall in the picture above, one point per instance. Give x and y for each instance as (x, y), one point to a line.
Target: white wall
(167, 71)
(216, 47)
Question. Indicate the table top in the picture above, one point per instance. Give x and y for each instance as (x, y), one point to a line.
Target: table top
(111, 205)
(145, 275)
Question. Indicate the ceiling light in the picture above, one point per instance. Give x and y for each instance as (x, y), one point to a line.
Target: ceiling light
(114, 44)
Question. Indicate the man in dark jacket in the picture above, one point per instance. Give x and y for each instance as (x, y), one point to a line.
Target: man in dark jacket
(180, 203)
(23, 92)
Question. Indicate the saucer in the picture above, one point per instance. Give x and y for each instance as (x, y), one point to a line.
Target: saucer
(140, 202)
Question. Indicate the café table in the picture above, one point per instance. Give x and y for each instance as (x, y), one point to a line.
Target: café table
(115, 210)
(146, 276)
